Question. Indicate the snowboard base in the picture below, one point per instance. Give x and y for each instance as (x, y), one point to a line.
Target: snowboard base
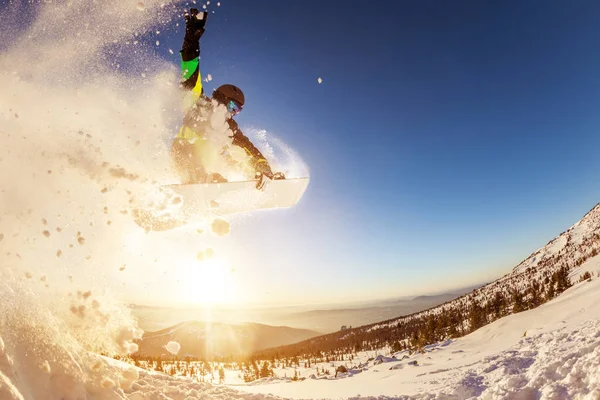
(185, 202)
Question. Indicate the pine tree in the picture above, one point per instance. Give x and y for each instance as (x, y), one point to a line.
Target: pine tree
(265, 371)
(585, 276)
(550, 293)
(535, 296)
(518, 303)
(476, 316)
(498, 305)
(562, 280)
(431, 331)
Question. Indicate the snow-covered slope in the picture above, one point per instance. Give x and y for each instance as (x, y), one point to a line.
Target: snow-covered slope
(551, 352)
(578, 241)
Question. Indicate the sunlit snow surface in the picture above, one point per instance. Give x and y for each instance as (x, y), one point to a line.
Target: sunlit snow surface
(552, 352)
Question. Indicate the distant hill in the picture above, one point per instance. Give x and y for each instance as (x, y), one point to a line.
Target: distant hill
(324, 318)
(330, 320)
(202, 339)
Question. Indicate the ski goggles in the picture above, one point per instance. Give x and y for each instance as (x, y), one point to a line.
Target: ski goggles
(233, 107)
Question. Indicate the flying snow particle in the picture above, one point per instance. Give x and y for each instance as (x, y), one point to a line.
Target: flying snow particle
(130, 375)
(204, 6)
(58, 253)
(158, 42)
(173, 347)
(98, 366)
(171, 51)
(79, 311)
(46, 233)
(320, 80)
(108, 383)
(209, 252)
(45, 366)
(123, 267)
(208, 78)
(219, 4)
(200, 256)
(220, 227)
(140, 6)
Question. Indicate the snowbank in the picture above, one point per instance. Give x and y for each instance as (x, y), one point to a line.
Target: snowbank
(550, 352)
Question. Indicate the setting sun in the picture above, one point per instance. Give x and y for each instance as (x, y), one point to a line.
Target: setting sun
(206, 282)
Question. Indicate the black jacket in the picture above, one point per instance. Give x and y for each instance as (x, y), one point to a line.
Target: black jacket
(190, 52)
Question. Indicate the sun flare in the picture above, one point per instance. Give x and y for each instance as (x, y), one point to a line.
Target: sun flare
(206, 282)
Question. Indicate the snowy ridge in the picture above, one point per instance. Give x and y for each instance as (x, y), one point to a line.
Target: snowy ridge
(570, 249)
(568, 244)
(550, 352)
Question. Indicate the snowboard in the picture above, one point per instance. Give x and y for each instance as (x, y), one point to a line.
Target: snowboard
(184, 202)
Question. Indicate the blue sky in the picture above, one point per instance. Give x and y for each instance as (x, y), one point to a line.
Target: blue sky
(447, 142)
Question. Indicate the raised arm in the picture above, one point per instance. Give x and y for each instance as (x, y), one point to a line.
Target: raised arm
(257, 161)
(190, 52)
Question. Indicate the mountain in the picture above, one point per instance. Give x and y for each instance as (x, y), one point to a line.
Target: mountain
(330, 320)
(542, 276)
(202, 339)
(579, 242)
(323, 318)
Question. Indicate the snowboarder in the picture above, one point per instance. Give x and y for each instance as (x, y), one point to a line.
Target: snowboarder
(210, 141)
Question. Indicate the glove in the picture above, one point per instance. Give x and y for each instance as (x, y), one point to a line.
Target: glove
(195, 21)
(263, 168)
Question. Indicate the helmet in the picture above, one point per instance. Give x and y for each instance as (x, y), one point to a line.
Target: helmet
(231, 96)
